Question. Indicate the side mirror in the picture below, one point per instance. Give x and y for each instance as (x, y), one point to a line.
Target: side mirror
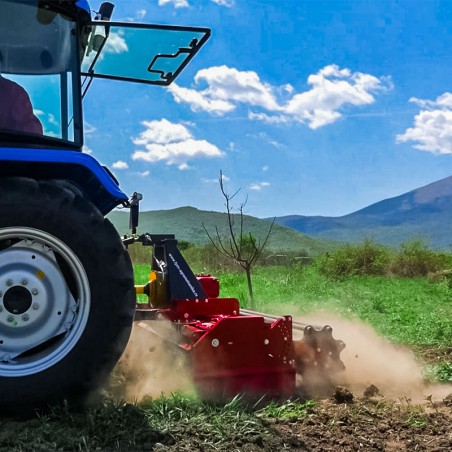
(134, 211)
(105, 11)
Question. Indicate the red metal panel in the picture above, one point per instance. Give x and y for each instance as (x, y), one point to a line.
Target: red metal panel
(193, 309)
(210, 284)
(245, 354)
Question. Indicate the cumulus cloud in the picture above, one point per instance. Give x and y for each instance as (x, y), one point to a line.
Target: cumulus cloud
(226, 87)
(198, 101)
(432, 130)
(116, 43)
(175, 3)
(86, 149)
(256, 186)
(331, 89)
(120, 165)
(162, 140)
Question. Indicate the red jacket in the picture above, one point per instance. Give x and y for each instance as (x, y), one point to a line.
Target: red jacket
(16, 112)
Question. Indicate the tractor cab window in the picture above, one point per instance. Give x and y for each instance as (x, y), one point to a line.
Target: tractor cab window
(152, 54)
(39, 84)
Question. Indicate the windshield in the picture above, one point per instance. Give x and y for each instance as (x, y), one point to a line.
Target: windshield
(39, 82)
(153, 54)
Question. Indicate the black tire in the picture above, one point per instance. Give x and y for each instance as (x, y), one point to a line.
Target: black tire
(63, 345)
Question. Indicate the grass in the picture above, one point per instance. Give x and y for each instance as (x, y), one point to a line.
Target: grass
(119, 426)
(439, 372)
(291, 410)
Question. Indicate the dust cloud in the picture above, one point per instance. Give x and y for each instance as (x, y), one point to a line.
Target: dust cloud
(371, 360)
(151, 366)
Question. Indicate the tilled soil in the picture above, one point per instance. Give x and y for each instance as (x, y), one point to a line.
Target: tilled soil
(372, 424)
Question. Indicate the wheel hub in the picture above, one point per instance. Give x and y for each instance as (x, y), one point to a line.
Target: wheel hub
(17, 300)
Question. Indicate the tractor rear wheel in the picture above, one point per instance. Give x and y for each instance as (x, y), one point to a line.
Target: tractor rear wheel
(66, 295)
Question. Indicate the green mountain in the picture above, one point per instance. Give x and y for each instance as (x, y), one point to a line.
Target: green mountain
(426, 212)
(186, 223)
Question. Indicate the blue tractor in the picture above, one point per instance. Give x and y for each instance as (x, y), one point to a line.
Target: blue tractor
(67, 297)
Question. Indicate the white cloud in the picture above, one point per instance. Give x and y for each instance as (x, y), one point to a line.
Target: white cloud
(258, 185)
(88, 128)
(215, 181)
(162, 132)
(175, 3)
(229, 84)
(165, 141)
(141, 14)
(185, 4)
(432, 130)
(331, 89)
(120, 165)
(263, 136)
(144, 173)
(226, 87)
(86, 149)
(183, 167)
(227, 3)
(265, 168)
(269, 119)
(198, 101)
(116, 43)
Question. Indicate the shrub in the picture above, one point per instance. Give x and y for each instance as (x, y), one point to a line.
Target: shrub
(367, 258)
(415, 258)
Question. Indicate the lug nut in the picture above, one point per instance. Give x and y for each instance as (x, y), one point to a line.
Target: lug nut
(10, 318)
(24, 282)
(25, 317)
(34, 291)
(9, 282)
(35, 306)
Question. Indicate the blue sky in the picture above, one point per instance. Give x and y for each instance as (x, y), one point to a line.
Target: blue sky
(307, 107)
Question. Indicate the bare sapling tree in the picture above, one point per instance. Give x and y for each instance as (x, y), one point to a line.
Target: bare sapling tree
(239, 245)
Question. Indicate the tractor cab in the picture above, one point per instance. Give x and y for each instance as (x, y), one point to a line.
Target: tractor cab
(50, 52)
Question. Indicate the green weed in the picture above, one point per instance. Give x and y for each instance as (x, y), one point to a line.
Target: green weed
(288, 411)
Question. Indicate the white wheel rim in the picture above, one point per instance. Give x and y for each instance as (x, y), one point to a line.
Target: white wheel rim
(44, 303)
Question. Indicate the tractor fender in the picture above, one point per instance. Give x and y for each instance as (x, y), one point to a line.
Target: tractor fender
(80, 169)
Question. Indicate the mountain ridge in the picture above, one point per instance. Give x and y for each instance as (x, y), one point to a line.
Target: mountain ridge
(187, 223)
(425, 211)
